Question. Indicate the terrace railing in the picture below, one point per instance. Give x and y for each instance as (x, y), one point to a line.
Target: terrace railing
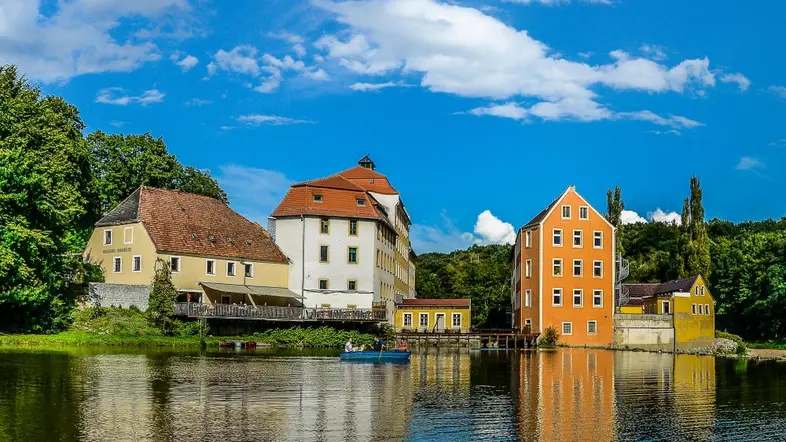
(234, 311)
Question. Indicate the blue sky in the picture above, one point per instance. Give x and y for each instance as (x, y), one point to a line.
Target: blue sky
(480, 112)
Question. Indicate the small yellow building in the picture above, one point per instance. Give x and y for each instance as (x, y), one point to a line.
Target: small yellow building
(688, 301)
(434, 315)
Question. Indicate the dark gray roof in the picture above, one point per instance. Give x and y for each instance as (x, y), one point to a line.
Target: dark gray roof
(663, 289)
(127, 211)
(539, 217)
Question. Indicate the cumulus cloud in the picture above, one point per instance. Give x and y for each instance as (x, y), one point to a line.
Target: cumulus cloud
(119, 97)
(186, 63)
(319, 75)
(446, 237)
(491, 230)
(631, 217)
(654, 52)
(271, 120)
(268, 69)
(659, 216)
(742, 81)
(462, 51)
(778, 90)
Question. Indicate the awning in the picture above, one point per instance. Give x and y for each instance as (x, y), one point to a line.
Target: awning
(259, 290)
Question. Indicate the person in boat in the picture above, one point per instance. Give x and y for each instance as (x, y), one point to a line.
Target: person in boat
(379, 344)
(401, 345)
(348, 346)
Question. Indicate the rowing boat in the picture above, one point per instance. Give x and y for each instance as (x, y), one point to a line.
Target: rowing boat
(395, 355)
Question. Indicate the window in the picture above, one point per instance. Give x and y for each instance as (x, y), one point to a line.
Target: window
(556, 297)
(707, 309)
(528, 239)
(352, 255)
(578, 298)
(597, 269)
(210, 267)
(557, 265)
(353, 227)
(456, 320)
(323, 253)
(597, 298)
(324, 225)
(584, 212)
(136, 264)
(128, 235)
(317, 198)
(697, 290)
(174, 264)
(107, 237)
(230, 268)
(323, 284)
(597, 239)
(567, 328)
(324, 305)
(361, 202)
(577, 267)
(565, 212)
(693, 309)
(528, 323)
(117, 264)
(528, 298)
(702, 291)
(557, 238)
(666, 308)
(528, 269)
(352, 285)
(700, 310)
(578, 238)
(248, 270)
(407, 319)
(423, 321)
(352, 306)
(592, 327)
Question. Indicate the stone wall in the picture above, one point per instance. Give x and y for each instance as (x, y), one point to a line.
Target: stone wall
(644, 332)
(118, 295)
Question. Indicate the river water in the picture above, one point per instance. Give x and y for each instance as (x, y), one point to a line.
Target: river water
(561, 395)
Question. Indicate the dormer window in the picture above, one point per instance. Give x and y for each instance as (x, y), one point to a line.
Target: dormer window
(317, 198)
(361, 202)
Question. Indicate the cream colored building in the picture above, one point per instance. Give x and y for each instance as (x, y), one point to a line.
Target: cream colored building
(216, 256)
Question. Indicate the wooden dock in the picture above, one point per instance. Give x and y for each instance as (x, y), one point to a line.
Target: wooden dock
(281, 314)
(485, 338)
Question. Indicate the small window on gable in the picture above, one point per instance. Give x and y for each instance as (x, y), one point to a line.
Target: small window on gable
(528, 239)
(700, 310)
(693, 309)
(317, 198)
(361, 202)
(707, 309)
(702, 291)
(565, 212)
(697, 290)
(584, 212)
(107, 237)
(128, 235)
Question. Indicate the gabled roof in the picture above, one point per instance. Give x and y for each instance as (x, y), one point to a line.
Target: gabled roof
(661, 289)
(180, 222)
(331, 182)
(543, 213)
(369, 180)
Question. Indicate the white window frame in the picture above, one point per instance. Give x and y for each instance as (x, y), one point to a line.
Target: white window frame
(693, 308)
(251, 264)
(591, 333)
(663, 308)
(554, 263)
(701, 310)
(597, 235)
(360, 202)
(234, 268)
(114, 267)
(128, 229)
(554, 234)
(404, 319)
(453, 320)
(528, 298)
(580, 293)
(179, 264)
(554, 292)
(528, 239)
(562, 211)
(703, 293)
(586, 212)
(528, 323)
(580, 237)
(581, 268)
(111, 235)
(314, 198)
(697, 291)
(598, 293)
(707, 310)
(594, 264)
(206, 267)
(133, 261)
(570, 325)
(420, 319)
(528, 268)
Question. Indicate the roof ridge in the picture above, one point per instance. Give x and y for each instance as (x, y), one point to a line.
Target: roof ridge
(314, 183)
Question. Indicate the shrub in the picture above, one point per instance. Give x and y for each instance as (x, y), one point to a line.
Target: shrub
(313, 337)
(550, 338)
(187, 328)
(741, 347)
(160, 306)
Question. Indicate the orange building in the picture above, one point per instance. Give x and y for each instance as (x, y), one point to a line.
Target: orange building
(563, 273)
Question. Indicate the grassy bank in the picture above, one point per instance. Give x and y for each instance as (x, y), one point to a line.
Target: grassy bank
(773, 344)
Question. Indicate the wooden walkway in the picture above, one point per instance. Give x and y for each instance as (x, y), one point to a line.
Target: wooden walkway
(485, 338)
(283, 314)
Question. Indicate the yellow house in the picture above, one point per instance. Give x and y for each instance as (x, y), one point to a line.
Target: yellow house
(434, 315)
(216, 256)
(690, 304)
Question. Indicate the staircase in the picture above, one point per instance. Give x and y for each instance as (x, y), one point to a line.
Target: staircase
(623, 271)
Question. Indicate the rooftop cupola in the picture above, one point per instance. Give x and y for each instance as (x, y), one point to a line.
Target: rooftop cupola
(367, 163)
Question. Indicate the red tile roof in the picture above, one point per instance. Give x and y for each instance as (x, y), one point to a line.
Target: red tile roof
(437, 302)
(180, 222)
(370, 180)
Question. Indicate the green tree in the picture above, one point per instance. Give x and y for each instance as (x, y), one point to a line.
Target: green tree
(696, 242)
(45, 191)
(160, 306)
(614, 208)
(201, 183)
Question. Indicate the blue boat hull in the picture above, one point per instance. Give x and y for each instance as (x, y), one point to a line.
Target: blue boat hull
(396, 355)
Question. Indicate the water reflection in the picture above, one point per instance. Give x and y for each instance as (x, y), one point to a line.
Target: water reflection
(576, 394)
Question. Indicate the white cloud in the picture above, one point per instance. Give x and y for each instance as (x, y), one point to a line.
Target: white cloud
(253, 192)
(507, 110)
(188, 62)
(447, 237)
(117, 123)
(556, 2)
(241, 59)
(631, 217)
(654, 52)
(491, 230)
(585, 55)
(287, 36)
(370, 87)
(462, 51)
(272, 120)
(778, 90)
(749, 163)
(742, 81)
(659, 216)
(319, 75)
(196, 102)
(299, 49)
(56, 41)
(674, 121)
(118, 96)
(666, 132)
(269, 69)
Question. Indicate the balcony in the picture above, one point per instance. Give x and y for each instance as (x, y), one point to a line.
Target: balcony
(284, 314)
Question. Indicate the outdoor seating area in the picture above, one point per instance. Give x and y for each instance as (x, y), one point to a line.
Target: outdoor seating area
(274, 313)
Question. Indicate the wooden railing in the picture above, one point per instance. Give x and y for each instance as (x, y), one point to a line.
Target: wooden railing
(278, 313)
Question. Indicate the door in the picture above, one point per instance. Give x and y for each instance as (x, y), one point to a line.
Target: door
(666, 307)
(440, 317)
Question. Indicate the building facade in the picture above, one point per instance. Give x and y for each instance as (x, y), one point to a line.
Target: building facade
(348, 238)
(563, 273)
(434, 315)
(212, 251)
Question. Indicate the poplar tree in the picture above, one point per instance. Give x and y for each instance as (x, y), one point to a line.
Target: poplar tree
(614, 208)
(696, 242)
